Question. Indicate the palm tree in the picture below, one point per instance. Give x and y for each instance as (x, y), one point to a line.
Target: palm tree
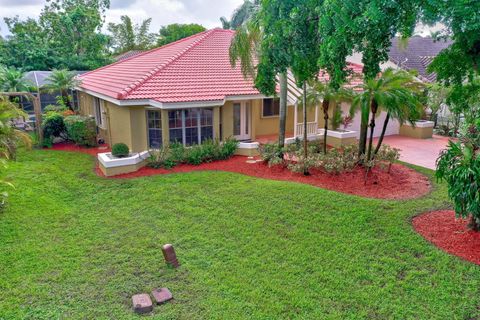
(395, 91)
(244, 49)
(320, 92)
(10, 137)
(241, 15)
(62, 81)
(12, 80)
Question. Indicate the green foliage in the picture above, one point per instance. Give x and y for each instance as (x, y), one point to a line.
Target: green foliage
(271, 153)
(240, 15)
(10, 137)
(120, 150)
(62, 81)
(210, 150)
(459, 166)
(177, 31)
(53, 126)
(127, 36)
(337, 118)
(67, 35)
(82, 130)
(12, 80)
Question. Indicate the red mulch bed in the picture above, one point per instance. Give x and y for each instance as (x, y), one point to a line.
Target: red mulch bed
(400, 183)
(449, 234)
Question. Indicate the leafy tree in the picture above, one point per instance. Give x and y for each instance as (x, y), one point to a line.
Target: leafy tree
(365, 26)
(459, 166)
(127, 36)
(436, 98)
(395, 91)
(62, 81)
(322, 93)
(26, 47)
(244, 48)
(176, 31)
(240, 15)
(10, 137)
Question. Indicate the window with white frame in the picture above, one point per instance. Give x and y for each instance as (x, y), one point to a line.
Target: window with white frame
(271, 107)
(99, 109)
(154, 127)
(190, 126)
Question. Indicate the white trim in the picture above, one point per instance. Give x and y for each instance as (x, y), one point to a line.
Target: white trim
(172, 105)
(108, 162)
(421, 124)
(248, 145)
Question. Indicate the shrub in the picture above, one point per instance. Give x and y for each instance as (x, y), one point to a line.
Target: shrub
(54, 108)
(177, 152)
(228, 148)
(302, 164)
(387, 155)
(81, 130)
(161, 157)
(53, 126)
(459, 166)
(271, 153)
(194, 155)
(120, 150)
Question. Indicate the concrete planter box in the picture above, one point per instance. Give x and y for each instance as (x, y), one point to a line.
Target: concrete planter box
(249, 149)
(423, 129)
(337, 138)
(111, 166)
(311, 137)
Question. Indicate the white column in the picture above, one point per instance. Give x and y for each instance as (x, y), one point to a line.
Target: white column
(295, 119)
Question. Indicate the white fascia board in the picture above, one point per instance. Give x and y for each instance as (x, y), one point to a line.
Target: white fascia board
(171, 105)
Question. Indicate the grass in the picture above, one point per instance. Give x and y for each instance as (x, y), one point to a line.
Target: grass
(76, 246)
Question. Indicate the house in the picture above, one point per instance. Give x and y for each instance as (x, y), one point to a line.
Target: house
(187, 92)
(417, 54)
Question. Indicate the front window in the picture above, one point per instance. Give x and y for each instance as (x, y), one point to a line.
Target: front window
(190, 126)
(154, 123)
(271, 107)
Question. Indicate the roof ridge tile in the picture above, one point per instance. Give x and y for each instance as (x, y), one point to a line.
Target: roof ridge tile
(124, 93)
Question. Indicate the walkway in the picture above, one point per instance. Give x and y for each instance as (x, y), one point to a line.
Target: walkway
(421, 152)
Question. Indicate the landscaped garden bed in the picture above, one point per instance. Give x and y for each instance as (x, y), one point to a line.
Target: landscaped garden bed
(449, 233)
(401, 183)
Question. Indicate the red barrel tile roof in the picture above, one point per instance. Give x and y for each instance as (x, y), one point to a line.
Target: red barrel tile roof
(196, 68)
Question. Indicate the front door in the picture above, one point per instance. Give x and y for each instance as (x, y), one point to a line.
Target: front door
(241, 120)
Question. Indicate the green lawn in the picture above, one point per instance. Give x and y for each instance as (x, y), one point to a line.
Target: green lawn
(76, 246)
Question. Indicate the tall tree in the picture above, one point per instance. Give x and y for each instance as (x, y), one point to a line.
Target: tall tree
(365, 26)
(244, 48)
(73, 31)
(128, 36)
(177, 31)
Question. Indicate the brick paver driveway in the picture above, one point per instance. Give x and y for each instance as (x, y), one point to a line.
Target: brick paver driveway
(421, 152)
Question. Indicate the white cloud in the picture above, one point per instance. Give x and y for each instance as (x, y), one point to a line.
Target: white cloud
(162, 12)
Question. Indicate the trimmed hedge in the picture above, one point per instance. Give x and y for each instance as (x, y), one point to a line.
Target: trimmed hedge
(81, 130)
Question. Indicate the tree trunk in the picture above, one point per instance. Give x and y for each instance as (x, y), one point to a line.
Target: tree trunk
(305, 136)
(362, 142)
(372, 128)
(473, 224)
(382, 135)
(283, 109)
(66, 99)
(325, 106)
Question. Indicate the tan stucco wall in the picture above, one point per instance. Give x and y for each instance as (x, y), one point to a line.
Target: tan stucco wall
(416, 132)
(227, 119)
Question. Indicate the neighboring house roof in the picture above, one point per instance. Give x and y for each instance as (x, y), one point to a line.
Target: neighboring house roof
(128, 54)
(39, 78)
(196, 68)
(417, 55)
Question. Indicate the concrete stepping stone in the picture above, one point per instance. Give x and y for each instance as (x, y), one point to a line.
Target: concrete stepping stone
(161, 295)
(142, 303)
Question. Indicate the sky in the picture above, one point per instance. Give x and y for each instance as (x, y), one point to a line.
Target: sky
(162, 12)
